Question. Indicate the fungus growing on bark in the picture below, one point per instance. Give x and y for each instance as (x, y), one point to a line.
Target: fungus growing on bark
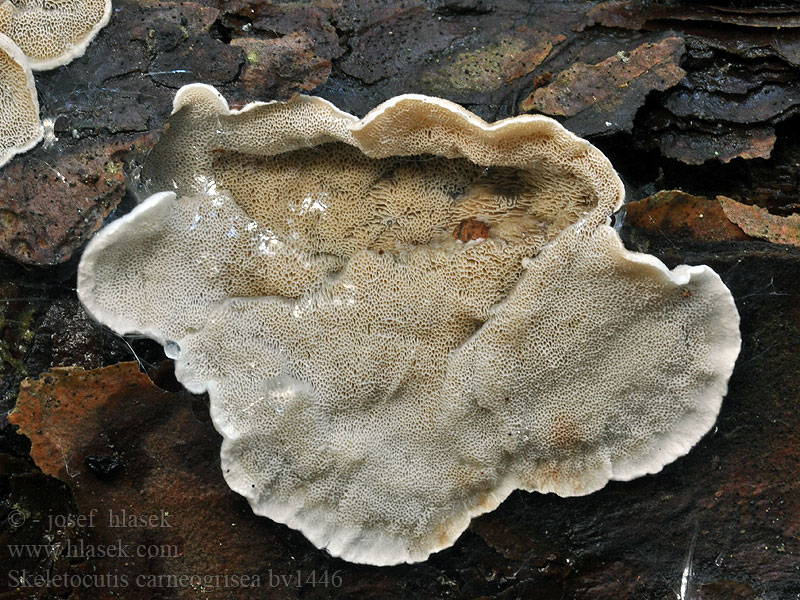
(401, 319)
(20, 129)
(52, 33)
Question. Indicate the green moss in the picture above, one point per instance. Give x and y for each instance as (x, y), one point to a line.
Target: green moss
(113, 167)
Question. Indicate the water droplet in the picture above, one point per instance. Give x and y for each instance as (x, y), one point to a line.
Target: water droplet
(172, 350)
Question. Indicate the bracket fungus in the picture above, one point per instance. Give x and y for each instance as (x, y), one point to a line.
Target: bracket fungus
(51, 33)
(401, 319)
(20, 129)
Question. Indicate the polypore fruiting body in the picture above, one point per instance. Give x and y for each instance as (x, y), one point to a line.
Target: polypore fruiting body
(401, 319)
(54, 32)
(20, 129)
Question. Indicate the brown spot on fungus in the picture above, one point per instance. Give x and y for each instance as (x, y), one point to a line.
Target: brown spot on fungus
(470, 229)
(567, 434)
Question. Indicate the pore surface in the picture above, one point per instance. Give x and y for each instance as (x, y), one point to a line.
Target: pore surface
(51, 33)
(20, 129)
(401, 319)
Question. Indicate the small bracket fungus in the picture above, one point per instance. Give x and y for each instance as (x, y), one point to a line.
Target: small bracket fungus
(20, 129)
(53, 32)
(401, 319)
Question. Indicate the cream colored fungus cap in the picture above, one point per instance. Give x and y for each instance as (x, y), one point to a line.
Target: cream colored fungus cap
(20, 129)
(400, 319)
(51, 33)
